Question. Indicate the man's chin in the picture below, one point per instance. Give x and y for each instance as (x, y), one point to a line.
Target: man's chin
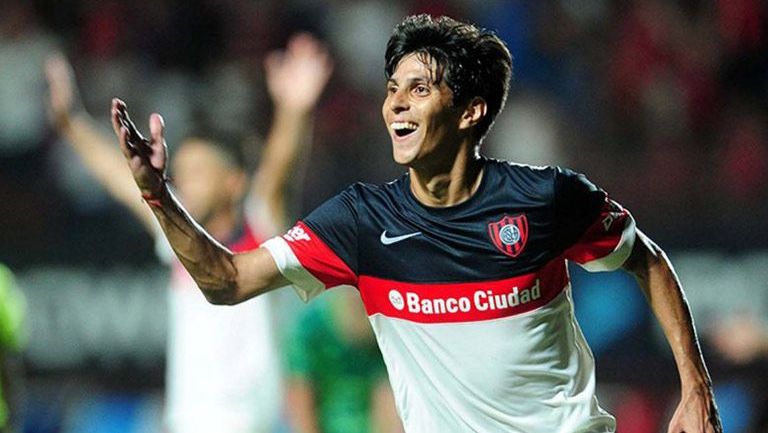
(404, 163)
(402, 158)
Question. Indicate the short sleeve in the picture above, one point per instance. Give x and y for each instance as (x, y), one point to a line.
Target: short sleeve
(320, 251)
(592, 230)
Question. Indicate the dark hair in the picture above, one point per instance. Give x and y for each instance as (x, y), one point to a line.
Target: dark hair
(232, 153)
(473, 61)
(229, 151)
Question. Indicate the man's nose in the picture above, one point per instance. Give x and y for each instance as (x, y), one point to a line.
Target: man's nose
(398, 101)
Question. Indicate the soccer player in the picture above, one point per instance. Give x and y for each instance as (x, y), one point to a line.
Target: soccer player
(223, 369)
(461, 262)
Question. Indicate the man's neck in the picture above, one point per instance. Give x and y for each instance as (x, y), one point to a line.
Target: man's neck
(449, 185)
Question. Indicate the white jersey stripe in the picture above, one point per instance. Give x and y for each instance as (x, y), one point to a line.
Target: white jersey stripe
(305, 284)
(619, 254)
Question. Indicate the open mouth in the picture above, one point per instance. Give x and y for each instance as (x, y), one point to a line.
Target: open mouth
(403, 129)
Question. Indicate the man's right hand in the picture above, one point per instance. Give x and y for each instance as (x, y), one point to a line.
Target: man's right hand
(147, 158)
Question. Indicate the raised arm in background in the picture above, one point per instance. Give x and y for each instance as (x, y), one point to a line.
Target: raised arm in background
(92, 144)
(653, 271)
(295, 79)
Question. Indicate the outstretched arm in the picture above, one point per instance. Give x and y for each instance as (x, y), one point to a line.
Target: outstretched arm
(295, 79)
(223, 277)
(697, 412)
(92, 145)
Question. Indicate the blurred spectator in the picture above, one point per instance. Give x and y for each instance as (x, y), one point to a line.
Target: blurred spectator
(23, 49)
(222, 364)
(336, 378)
(24, 46)
(11, 339)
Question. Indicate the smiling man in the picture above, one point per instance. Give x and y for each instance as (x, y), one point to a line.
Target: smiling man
(461, 262)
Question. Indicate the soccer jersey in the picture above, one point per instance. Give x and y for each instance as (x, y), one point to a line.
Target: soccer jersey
(471, 303)
(223, 366)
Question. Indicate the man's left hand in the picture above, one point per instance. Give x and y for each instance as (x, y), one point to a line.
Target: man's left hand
(696, 413)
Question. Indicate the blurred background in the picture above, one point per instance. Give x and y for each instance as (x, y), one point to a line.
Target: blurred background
(663, 103)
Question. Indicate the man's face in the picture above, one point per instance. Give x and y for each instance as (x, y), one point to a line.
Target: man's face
(419, 114)
(202, 179)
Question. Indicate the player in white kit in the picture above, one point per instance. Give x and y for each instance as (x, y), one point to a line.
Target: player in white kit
(223, 366)
(461, 262)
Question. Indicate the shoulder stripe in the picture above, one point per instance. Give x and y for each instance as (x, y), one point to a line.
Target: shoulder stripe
(314, 256)
(608, 242)
(305, 284)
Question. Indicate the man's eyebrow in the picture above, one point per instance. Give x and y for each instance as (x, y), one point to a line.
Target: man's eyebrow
(410, 80)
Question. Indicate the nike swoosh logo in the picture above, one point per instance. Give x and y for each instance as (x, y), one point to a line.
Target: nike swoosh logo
(386, 240)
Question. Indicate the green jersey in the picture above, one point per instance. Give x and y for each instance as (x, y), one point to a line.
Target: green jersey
(343, 374)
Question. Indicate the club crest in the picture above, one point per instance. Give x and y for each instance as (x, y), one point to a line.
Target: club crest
(509, 234)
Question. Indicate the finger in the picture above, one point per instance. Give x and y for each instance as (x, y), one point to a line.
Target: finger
(303, 43)
(130, 149)
(122, 138)
(157, 128)
(120, 121)
(322, 68)
(135, 140)
(125, 120)
(140, 147)
(273, 61)
(307, 48)
(157, 132)
(115, 115)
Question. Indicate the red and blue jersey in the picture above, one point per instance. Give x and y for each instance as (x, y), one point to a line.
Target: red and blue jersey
(471, 303)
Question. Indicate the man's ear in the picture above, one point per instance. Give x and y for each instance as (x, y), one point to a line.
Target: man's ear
(474, 113)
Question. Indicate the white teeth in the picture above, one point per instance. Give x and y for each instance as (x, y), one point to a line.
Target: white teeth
(403, 125)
